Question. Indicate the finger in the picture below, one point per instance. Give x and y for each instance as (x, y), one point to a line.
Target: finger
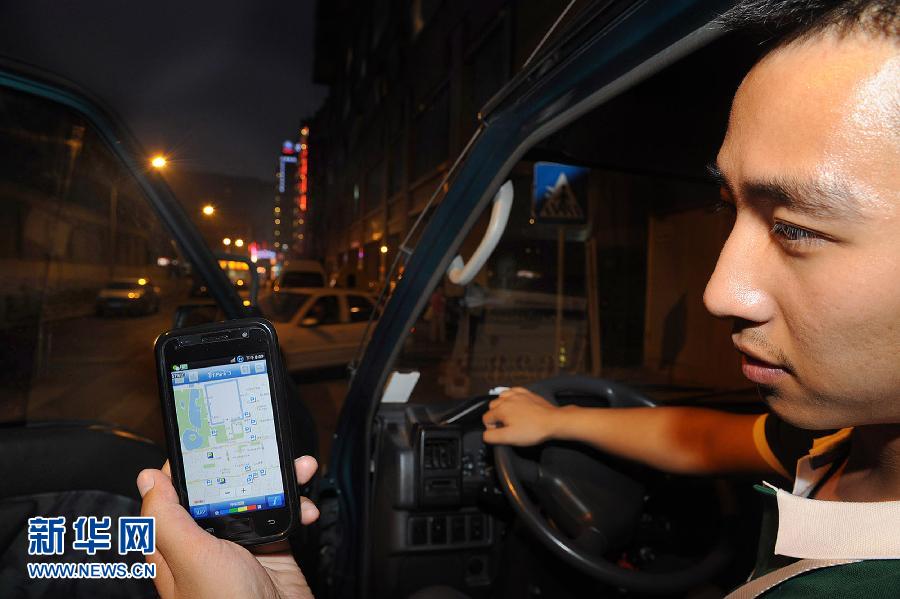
(491, 419)
(159, 481)
(496, 436)
(494, 403)
(305, 467)
(178, 538)
(164, 580)
(309, 513)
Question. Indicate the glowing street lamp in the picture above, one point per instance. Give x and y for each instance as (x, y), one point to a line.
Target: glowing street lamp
(159, 162)
(209, 210)
(226, 241)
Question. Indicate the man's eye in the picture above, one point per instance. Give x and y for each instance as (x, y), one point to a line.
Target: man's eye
(794, 234)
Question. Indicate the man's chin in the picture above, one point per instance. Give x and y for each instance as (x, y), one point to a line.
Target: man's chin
(797, 411)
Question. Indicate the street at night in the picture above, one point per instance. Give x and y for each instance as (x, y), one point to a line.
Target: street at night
(433, 299)
(102, 368)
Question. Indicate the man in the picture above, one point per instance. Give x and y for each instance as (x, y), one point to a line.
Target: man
(810, 277)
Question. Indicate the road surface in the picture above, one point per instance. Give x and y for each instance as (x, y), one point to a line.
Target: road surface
(103, 369)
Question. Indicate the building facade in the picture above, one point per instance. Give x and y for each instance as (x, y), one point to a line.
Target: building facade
(285, 209)
(407, 80)
(289, 214)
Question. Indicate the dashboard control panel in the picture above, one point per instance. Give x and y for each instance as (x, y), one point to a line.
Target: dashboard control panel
(449, 530)
(440, 473)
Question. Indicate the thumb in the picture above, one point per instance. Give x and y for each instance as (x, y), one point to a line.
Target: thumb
(178, 537)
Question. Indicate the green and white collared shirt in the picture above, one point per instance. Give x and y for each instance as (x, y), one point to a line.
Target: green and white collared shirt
(797, 527)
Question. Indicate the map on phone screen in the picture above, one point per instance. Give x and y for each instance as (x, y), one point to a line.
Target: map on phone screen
(227, 433)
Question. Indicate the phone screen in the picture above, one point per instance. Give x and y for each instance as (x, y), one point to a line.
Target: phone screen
(226, 430)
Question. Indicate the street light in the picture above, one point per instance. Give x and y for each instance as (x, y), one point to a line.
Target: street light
(226, 241)
(159, 162)
(239, 243)
(209, 210)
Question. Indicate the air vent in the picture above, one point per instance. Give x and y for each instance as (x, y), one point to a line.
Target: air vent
(440, 454)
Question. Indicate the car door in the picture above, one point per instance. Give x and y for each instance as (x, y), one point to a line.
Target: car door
(317, 338)
(357, 309)
(79, 409)
(360, 308)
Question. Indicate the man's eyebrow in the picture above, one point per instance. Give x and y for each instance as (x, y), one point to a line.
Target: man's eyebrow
(831, 198)
(718, 178)
(715, 174)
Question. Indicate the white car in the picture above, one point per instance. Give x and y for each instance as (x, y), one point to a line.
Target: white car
(320, 327)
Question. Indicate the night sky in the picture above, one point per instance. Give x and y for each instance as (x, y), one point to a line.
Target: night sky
(218, 85)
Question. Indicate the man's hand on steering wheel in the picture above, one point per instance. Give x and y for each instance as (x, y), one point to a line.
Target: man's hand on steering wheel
(519, 417)
(583, 509)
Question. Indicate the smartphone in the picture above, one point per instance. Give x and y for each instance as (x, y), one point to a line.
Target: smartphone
(228, 430)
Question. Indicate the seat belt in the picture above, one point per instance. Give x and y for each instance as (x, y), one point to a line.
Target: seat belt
(758, 586)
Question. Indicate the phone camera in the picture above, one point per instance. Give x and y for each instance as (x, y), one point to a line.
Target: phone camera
(245, 334)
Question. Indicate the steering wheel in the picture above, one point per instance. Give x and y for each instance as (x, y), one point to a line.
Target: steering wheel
(593, 508)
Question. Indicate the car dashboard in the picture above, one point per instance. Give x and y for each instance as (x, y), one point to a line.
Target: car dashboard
(436, 502)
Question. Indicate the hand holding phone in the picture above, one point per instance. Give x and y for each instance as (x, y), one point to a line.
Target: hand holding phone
(211, 567)
(227, 429)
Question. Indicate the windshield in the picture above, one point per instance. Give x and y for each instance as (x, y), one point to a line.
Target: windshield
(603, 264)
(581, 298)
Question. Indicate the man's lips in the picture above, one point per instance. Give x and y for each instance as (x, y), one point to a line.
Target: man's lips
(759, 371)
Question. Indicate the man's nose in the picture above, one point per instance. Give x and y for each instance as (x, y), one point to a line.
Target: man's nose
(736, 288)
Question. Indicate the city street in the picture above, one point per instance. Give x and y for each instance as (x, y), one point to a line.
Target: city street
(103, 369)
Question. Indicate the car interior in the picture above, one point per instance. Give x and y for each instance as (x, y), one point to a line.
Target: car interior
(620, 295)
(599, 307)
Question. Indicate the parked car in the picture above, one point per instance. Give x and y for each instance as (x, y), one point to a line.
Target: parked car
(128, 296)
(319, 328)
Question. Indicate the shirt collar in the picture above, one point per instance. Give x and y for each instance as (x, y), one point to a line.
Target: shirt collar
(813, 467)
(816, 529)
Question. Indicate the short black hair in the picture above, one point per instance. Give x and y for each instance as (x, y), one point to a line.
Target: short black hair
(780, 22)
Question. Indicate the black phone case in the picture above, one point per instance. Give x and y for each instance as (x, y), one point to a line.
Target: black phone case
(279, 407)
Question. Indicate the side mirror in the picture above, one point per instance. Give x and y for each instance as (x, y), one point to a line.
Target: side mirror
(309, 321)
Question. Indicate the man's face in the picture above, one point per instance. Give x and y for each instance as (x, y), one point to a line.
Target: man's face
(810, 273)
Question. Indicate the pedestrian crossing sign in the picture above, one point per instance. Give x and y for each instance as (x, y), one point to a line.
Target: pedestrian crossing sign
(560, 193)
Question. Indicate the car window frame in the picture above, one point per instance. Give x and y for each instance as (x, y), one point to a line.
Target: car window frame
(124, 147)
